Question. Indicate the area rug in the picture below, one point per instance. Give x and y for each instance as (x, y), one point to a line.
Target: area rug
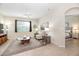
(15, 47)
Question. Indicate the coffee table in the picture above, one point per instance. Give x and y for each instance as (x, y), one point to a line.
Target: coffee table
(24, 39)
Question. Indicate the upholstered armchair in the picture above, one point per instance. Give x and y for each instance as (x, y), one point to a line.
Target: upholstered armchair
(40, 35)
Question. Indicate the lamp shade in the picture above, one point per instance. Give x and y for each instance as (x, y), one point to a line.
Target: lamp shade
(46, 29)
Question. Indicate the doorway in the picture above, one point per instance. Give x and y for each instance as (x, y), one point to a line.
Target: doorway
(72, 27)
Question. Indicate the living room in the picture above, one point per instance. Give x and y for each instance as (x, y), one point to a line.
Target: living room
(13, 27)
(45, 25)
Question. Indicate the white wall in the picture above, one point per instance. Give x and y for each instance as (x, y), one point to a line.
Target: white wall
(73, 20)
(56, 17)
(58, 20)
(10, 21)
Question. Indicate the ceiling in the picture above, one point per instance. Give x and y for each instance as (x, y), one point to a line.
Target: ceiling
(33, 10)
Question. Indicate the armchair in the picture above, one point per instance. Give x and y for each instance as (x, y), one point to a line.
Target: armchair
(40, 35)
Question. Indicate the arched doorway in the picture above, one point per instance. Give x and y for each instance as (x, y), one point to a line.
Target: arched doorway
(72, 27)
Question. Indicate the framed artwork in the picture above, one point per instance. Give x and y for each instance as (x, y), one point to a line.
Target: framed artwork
(44, 25)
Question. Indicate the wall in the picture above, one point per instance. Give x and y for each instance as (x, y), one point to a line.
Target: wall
(57, 18)
(73, 20)
(10, 21)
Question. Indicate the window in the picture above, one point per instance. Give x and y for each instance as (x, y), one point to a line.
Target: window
(22, 26)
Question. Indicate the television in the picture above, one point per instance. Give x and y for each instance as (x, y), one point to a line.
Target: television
(1, 27)
(23, 26)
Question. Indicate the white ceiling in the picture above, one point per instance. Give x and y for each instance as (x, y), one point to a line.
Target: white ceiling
(33, 10)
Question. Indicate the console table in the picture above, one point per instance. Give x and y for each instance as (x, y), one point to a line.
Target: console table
(46, 39)
(3, 38)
